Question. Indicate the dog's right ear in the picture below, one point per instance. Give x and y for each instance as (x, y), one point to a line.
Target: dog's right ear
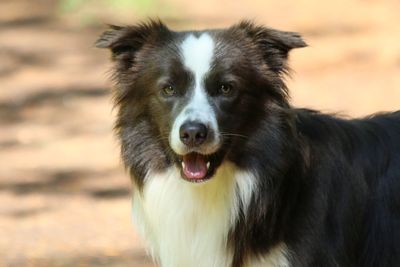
(274, 45)
(130, 39)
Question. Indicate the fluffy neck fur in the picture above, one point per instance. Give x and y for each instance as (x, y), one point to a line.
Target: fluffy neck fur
(186, 224)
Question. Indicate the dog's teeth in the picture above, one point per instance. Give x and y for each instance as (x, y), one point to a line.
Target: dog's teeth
(208, 165)
(183, 164)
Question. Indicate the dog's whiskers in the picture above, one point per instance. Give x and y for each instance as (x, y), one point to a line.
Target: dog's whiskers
(235, 135)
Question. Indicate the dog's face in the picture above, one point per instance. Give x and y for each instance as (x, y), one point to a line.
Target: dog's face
(200, 93)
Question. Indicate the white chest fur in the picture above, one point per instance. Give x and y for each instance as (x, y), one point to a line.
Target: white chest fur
(187, 224)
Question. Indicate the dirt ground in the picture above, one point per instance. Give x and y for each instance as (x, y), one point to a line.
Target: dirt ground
(64, 197)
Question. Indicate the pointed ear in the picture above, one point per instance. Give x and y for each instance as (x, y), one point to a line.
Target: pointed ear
(273, 44)
(129, 40)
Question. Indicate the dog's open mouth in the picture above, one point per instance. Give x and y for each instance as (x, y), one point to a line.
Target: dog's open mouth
(196, 167)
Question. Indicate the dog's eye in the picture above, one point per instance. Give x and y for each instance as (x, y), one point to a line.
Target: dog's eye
(225, 88)
(169, 90)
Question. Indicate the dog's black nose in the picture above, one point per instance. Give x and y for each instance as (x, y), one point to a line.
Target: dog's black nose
(193, 133)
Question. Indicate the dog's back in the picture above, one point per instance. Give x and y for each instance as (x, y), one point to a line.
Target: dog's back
(356, 166)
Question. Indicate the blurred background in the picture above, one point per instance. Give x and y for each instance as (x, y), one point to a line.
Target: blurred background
(64, 197)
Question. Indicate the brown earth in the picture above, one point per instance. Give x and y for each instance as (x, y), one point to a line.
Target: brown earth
(64, 197)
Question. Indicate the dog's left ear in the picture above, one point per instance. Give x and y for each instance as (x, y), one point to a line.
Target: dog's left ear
(274, 44)
(125, 42)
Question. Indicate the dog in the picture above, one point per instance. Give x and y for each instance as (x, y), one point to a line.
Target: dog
(226, 173)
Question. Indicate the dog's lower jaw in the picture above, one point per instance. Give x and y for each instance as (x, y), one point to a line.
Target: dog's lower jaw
(188, 225)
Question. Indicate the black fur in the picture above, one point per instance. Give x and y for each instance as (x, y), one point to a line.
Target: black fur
(328, 187)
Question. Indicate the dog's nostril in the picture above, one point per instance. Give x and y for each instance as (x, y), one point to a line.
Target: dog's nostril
(200, 135)
(185, 135)
(193, 133)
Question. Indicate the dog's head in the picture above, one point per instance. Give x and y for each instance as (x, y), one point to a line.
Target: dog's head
(187, 98)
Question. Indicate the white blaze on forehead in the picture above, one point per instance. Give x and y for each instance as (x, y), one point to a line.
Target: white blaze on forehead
(197, 53)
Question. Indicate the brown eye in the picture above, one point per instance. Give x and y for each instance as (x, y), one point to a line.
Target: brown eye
(225, 89)
(169, 90)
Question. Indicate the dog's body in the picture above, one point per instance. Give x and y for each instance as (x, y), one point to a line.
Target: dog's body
(227, 174)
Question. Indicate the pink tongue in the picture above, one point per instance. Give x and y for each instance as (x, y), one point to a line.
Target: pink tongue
(195, 166)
